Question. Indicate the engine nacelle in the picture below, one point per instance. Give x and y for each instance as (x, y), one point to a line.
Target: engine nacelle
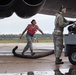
(23, 8)
(6, 8)
(28, 8)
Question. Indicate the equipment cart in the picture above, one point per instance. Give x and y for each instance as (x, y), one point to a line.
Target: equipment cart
(70, 47)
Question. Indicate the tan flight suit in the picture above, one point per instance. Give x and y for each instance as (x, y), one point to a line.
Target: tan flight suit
(60, 23)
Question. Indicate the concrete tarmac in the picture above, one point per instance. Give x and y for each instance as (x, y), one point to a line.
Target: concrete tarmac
(11, 64)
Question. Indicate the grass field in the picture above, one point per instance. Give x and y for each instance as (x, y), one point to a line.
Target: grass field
(24, 41)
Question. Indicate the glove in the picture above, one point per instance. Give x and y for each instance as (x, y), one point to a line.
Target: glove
(71, 22)
(75, 23)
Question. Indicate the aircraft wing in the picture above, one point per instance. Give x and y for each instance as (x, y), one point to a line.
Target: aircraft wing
(52, 6)
(28, 8)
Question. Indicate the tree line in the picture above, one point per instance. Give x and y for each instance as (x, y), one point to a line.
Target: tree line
(17, 36)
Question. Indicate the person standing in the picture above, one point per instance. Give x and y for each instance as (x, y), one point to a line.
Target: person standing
(60, 23)
(31, 30)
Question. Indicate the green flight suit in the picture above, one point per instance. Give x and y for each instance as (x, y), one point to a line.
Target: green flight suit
(60, 23)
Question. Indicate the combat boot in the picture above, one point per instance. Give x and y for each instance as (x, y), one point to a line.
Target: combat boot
(58, 61)
(23, 53)
(33, 53)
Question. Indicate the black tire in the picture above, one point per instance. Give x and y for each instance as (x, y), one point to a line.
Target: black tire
(72, 57)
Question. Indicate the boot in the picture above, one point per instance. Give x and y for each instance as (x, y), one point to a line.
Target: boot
(33, 53)
(22, 53)
(58, 61)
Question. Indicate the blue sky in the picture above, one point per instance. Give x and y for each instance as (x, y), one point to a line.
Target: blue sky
(15, 24)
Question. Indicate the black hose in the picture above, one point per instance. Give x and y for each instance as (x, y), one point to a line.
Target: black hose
(43, 54)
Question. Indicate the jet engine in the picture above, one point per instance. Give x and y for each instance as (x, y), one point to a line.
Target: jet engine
(28, 8)
(6, 8)
(23, 8)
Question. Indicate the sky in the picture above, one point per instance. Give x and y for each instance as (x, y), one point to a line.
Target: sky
(16, 25)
